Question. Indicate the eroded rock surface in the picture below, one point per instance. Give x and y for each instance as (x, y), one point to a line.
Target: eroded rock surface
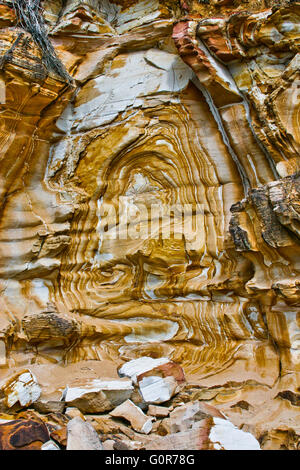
(160, 103)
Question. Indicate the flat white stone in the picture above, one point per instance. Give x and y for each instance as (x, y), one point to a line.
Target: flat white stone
(50, 445)
(141, 365)
(82, 436)
(156, 389)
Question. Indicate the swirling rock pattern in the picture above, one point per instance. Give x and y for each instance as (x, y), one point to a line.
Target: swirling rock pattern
(169, 102)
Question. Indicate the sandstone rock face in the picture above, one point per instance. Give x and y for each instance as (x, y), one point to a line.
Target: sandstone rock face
(125, 116)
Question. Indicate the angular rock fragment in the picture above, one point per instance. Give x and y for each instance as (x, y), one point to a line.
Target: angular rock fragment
(158, 411)
(158, 379)
(50, 445)
(107, 425)
(207, 434)
(51, 326)
(21, 388)
(108, 444)
(97, 396)
(82, 436)
(194, 439)
(132, 413)
(157, 389)
(2, 353)
(184, 417)
(139, 368)
(51, 406)
(225, 436)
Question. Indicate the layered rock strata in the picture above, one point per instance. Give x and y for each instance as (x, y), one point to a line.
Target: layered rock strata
(167, 104)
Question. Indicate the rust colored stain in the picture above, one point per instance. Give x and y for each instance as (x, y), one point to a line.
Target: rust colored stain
(23, 435)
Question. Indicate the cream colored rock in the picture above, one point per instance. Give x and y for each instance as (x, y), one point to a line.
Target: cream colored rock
(96, 396)
(157, 389)
(225, 436)
(158, 411)
(108, 444)
(139, 366)
(50, 445)
(82, 436)
(132, 413)
(50, 406)
(219, 434)
(2, 353)
(158, 379)
(72, 412)
(173, 103)
(21, 388)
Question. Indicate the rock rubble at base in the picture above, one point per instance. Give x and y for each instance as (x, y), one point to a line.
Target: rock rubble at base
(150, 207)
(82, 436)
(22, 388)
(132, 413)
(98, 396)
(173, 425)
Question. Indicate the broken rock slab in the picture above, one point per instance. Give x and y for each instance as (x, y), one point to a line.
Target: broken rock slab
(49, 326)
(21, 388)
(98, 396)
(158, 379)
(73, 412)
(132, 413)
(82, 436)
(50, 445)
(107, 425)
(51, 406)
(184, 417)
(225, 436)
(60, 435)
(144, 366)
(158, 389)
(23, 434)
(158, 411)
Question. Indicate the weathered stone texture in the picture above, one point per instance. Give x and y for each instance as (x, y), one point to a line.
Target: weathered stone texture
(168, 102)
